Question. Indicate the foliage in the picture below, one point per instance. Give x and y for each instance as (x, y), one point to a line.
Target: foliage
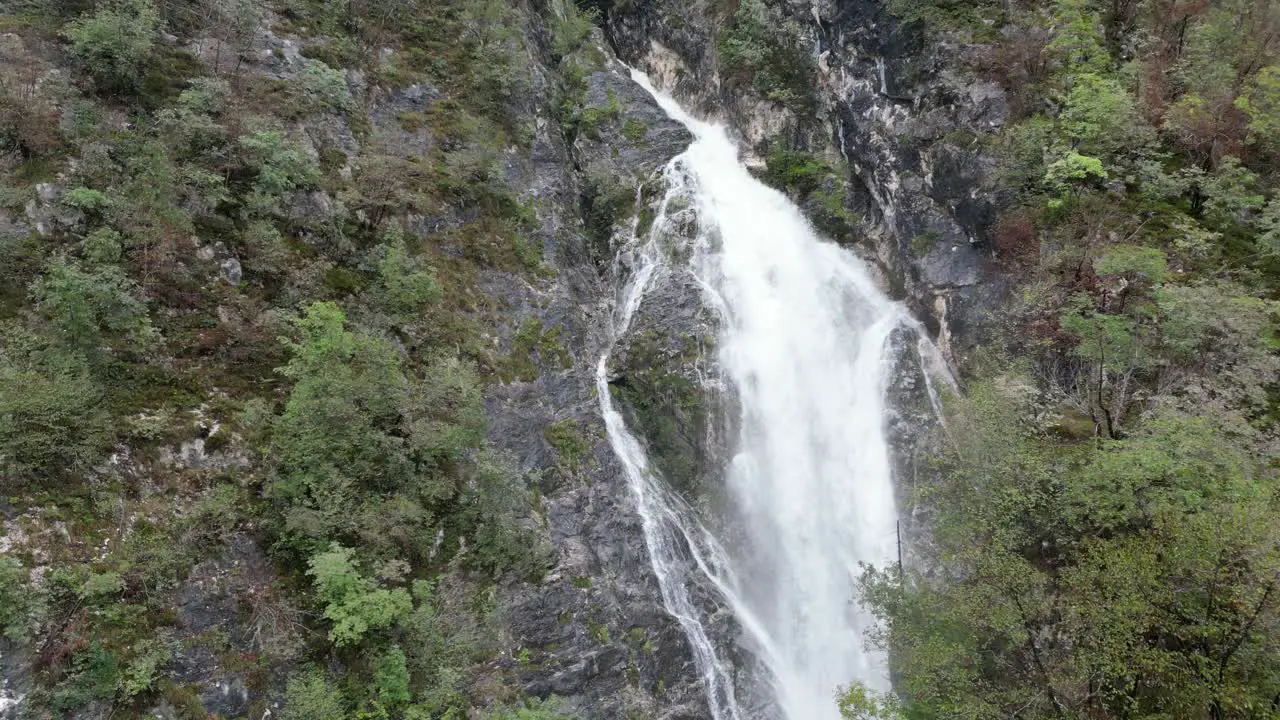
(1073, 170)
(795, 170)
(496, 504)
(1078, 41)
(1261, 103)
(21, 605)
(353, 602)
(1076, 567)
(332, 439)
(566, 438)
(282, 166)
(115, 43)
(1100, 117)
(571, 28)
(766, 53)
(475, 50)
(1134, 262)
(91, 308)
(391, 679)
(121, 332)
(310, 696)
(52, 419)
(405, 286)
(320, 88)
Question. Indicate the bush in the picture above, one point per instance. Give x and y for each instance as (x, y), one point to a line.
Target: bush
(391, 678)
(281, 164)
(92, 308)
(353, 603)
(320, 88)
(115, 43)
(21, 606)
(767, 53)
(404, 285)
(310, 696)
(52, 421)
(497, 505)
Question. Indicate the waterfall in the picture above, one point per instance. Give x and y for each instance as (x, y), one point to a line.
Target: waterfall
(803, 339)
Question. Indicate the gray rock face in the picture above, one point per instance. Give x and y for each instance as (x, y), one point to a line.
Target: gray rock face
(890, 104)
(594, 630)
(231, 271)
(212, 606)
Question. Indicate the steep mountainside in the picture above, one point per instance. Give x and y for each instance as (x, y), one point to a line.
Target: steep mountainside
(301, 304)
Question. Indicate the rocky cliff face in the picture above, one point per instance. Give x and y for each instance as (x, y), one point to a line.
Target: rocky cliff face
(899, 110)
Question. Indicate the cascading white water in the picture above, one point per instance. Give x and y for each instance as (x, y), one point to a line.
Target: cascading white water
(803, 339)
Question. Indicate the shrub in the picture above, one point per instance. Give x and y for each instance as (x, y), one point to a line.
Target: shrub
(310, 696)
(115, 43)
(21, 606)
(353, 603)
(1133, 261)
(281, 164)
(103, 246)
(496, 505)
(92, 308)
(205, 96)
(320, 88)
(405, 286)
(85, 199)
(391, 678)
(52, 421)
(761, 51)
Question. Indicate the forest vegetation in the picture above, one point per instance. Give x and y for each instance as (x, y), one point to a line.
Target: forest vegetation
(1106, 509)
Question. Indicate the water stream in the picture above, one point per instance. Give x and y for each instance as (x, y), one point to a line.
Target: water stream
(804, 341)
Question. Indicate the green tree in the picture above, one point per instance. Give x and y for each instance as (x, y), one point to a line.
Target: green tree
(334, 439)
(1134, 262)
(310, 696)
(1142, 569)
(1078, 39)
(92, 308)
(1100, 117)
(405, 285)
(21, 605)
(354, 603)
(320, 88)
(1071, 174)
(115, 43)
(766, 53)
(391, 679)
(1115, 347)
(1261, 103)
(281, 166)
(53, 420)
(1230, 193)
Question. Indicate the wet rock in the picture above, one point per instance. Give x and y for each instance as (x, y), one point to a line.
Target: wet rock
(951, 265)
(15, 680)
